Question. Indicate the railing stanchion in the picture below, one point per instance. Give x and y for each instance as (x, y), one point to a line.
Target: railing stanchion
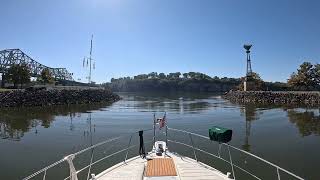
(128, 148)
(219, 149)
(72, 169)
(154, 128)
(44, 175)
(278, 173)
(194, 151)
(234, 176)
(166, 135)
(166, 124)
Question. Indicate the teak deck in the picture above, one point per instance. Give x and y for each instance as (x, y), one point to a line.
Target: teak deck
(161, 167)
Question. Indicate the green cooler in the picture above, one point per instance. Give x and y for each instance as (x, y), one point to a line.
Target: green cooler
(220, 134)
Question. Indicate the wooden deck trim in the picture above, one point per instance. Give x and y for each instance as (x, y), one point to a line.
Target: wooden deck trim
(161, 167)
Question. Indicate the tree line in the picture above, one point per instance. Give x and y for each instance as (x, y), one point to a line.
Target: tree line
(176, 81)
(306, 78)
(20, 74)
(177, 76)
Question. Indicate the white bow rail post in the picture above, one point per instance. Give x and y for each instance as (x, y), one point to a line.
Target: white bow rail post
(73, 172)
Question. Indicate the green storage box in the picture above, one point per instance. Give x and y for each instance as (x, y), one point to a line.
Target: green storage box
(220, 134)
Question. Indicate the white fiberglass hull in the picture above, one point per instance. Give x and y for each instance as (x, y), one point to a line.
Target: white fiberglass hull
(186, 168)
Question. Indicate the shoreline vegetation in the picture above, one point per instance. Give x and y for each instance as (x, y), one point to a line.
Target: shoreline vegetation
(301, 88)
(42, 97)
(186, 82)
(306, 80)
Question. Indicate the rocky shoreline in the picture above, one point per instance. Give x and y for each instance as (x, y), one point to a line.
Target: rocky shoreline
(311, 98)
(43, 97)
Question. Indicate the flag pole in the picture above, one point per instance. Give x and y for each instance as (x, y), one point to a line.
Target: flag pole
(166, 122)
(154, 129)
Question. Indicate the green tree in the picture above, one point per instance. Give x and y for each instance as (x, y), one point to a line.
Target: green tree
(204, 76)
(192, 75)
(316, 72)
(185, 75)
(177, 75)
(305, 77)
(18, 74)
(216, 78)
(174, 75)
(171, 75)
(255, 76)
(162, 76)
(153, 75)
(46, 76)
(198, 76)
(259, 84)
(141, 76)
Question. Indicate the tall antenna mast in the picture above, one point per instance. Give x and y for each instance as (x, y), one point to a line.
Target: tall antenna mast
(90, 59)
(88, 62)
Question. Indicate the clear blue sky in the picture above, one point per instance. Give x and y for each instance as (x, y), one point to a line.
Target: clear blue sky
(141, 36)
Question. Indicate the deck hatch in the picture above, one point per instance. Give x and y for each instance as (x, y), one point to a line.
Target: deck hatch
(161, 167)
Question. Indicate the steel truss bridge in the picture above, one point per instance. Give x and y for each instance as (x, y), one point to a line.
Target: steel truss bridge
(9, 57)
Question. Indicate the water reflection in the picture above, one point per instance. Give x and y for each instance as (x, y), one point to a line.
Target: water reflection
(181, 102)
(307, 121)
(15, 122)
(250, 114)
(134, 112)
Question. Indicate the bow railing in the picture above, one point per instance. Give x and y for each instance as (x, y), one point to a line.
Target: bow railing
(69, 159)
(228, 146)
(73, 173)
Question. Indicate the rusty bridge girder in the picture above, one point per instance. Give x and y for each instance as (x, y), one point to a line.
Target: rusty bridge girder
(9, 57)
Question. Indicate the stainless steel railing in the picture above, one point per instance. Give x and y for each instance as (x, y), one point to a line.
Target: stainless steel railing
(74, 173)
(69, 158)
(230, 160)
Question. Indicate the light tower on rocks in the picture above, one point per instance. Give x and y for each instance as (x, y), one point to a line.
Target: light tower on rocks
(248, 83)
(249, 70)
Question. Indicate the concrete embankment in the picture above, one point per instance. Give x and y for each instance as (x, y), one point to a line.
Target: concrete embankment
(311, 98)
(43, 97)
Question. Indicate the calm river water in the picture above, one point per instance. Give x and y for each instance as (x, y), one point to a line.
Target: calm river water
(32, 138)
